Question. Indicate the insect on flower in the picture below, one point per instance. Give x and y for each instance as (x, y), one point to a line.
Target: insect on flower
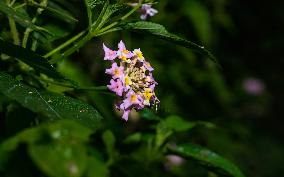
(132, 79)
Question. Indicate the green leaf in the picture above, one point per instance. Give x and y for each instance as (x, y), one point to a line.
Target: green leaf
(56, 11)
(60, 13)
(148, 114)
(109, 141)
(59, 159)
(111, 9)
(161, 32)
(71, 70)
(61, 130)
(200, 18)
(68, 130)
(57, 31)
(93, 3)
(89, 11)
(94, 25)
(22, 18)
(206, 158)
(178, 124)
(97, 168)
(29, 57)
(133, 138)
(52, 105)
(90, 5)
(58, 149)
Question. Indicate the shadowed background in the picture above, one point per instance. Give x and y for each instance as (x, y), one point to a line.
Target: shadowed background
(244, 98)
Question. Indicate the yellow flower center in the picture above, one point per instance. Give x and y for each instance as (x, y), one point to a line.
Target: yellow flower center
(125, 51)
(148, 94)
(123, 57)
(116, 72)
(127, 81)
(139, 54)
(133, 98)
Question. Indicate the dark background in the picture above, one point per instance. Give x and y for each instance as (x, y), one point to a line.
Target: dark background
(247, 39)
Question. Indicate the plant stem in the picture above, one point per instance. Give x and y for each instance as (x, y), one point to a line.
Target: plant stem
(122, 18)
(98, 88)
(20, 6)
(14, 31)
(13, 26)
(34, 45)
(29, 30)
(108, 31)
(77, 46)
(88, 37)
(89, 13)
(26, 36)
(97, 24)
(133, 10)
(65, 44)
(12, 3)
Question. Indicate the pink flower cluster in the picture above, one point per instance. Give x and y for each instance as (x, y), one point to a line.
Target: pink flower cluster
(132, 79)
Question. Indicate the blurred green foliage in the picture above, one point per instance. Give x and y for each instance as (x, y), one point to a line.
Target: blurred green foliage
(201, 103)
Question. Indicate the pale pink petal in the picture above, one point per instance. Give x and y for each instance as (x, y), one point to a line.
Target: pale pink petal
(121, 46)
(126, 114)
(109, 54)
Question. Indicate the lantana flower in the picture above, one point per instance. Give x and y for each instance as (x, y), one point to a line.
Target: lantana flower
(146, 10)
(132, 79)
(115, 71)
(109, 54)
(253, 86)
(116, 86)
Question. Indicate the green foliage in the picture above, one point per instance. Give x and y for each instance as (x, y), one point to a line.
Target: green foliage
(161, 32)
(55, 119)
(58, 149)
(60, 13)
(20, 17)
(31, 58)
(52, 105)
(207, 158)
(176, 123)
